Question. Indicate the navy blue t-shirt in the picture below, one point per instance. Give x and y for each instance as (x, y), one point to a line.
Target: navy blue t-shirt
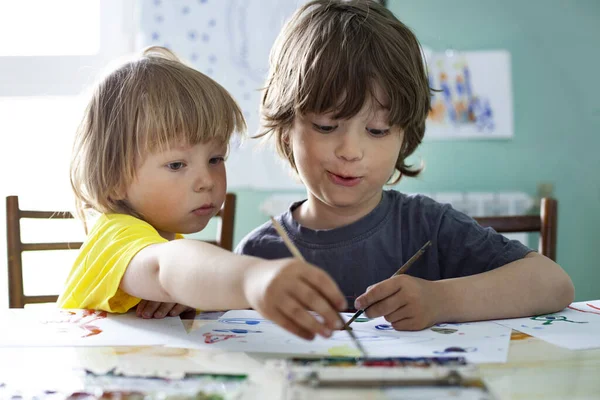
(373, 248)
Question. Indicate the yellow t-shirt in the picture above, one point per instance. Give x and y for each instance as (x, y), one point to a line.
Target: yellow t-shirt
(94, 280)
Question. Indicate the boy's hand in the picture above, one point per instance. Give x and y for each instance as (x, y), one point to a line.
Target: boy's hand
(406, 302)
(155, 309)
(285, 290)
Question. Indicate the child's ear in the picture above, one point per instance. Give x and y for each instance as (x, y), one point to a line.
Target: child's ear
(118, 193)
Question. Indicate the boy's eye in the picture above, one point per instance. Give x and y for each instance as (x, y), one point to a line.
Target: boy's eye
(175, 166)
(324, 128)
(216, 160)
(378, 132)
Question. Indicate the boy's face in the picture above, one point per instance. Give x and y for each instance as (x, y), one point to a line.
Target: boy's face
(346, 163)
(179, 190)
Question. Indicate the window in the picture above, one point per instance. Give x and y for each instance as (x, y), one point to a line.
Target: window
(50, 52)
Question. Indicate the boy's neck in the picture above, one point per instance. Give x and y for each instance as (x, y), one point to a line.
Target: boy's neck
(314, 214)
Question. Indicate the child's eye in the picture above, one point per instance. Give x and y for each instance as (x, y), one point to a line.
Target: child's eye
(324, 128)
(216, 160)
(378, 132)
(175, 166)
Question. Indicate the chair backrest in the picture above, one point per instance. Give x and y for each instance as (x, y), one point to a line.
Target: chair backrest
(15, 246)
(545, 224)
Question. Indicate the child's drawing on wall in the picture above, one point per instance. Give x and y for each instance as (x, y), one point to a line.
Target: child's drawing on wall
(473, 97)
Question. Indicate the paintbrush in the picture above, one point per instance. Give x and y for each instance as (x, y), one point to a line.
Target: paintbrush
(296, 253)
(402, 270)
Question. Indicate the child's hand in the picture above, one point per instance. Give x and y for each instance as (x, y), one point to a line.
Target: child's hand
(285, 290)
(156, 309)
(406, 302)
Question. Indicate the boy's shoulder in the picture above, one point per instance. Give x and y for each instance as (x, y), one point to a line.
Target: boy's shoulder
(260, 239)
(417, 203)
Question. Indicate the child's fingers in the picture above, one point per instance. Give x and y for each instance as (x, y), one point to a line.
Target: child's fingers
(321, 281)
(387, 305)
(178, 309)
(150, 308)
(310, 298)
(290, 325)
(140, 308)
(163, 309)
(377, 293)
(296, 312)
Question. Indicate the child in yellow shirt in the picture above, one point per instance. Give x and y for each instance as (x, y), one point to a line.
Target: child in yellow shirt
(149, 158)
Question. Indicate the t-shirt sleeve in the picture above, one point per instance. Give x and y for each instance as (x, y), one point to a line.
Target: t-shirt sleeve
(466, 248)
(96, 275)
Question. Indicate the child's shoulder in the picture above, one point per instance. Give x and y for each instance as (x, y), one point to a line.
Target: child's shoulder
(259, 238)
(117, 224)
(416, 203)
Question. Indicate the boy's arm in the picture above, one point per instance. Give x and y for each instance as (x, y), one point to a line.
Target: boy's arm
(532, 285)
(207, 277)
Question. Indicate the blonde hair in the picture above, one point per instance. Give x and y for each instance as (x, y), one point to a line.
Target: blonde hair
(330, 56)
(144, 106)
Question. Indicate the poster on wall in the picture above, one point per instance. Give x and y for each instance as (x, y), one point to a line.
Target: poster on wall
(473, 95)
(230, 41)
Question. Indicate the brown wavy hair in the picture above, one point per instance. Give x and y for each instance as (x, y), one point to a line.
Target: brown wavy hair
(329, 57)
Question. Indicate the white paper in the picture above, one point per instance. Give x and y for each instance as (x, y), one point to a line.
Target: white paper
(54, 327)
(248, 331)
(576, 327)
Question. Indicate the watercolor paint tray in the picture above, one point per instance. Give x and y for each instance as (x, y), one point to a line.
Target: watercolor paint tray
(391, 377)
(378, 372)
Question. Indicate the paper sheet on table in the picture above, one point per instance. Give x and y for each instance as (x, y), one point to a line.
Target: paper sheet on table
(248, 331)
(577, 327)
(55, 327)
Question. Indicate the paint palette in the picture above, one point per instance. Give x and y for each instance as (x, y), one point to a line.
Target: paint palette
(407, 377)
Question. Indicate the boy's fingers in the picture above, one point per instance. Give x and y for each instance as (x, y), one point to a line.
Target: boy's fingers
(386, 306)
(290, 325)
(296, 312)
(311, 299)
(377, 292)
(321, 281)
(405, 324)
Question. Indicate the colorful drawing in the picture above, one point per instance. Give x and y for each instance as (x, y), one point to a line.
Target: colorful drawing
(549, 319)
(473, 96)
(67, 320)
(575, 327)
(54, 327)
(480, 342)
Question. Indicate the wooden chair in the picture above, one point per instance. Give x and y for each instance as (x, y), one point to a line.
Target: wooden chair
(15, 247)
(545, 224)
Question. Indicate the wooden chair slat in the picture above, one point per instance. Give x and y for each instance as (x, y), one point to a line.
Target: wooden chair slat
(50, 246)
(545, 224)
(15, 246)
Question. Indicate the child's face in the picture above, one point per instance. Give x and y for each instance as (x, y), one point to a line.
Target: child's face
(179, 190)
(346, 163)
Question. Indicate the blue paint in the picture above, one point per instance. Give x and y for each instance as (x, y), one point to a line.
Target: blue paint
(384, 327)
(236, 330)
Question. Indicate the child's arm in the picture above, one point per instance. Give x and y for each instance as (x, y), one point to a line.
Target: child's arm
(207, 277)
(532, 285)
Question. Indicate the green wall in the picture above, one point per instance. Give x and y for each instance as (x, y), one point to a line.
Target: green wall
(555, 71)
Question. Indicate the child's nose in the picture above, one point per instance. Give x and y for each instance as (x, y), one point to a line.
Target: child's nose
(350, 147)
(203, 182)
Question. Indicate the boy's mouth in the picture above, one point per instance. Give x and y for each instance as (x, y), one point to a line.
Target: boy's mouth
(342, 180)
